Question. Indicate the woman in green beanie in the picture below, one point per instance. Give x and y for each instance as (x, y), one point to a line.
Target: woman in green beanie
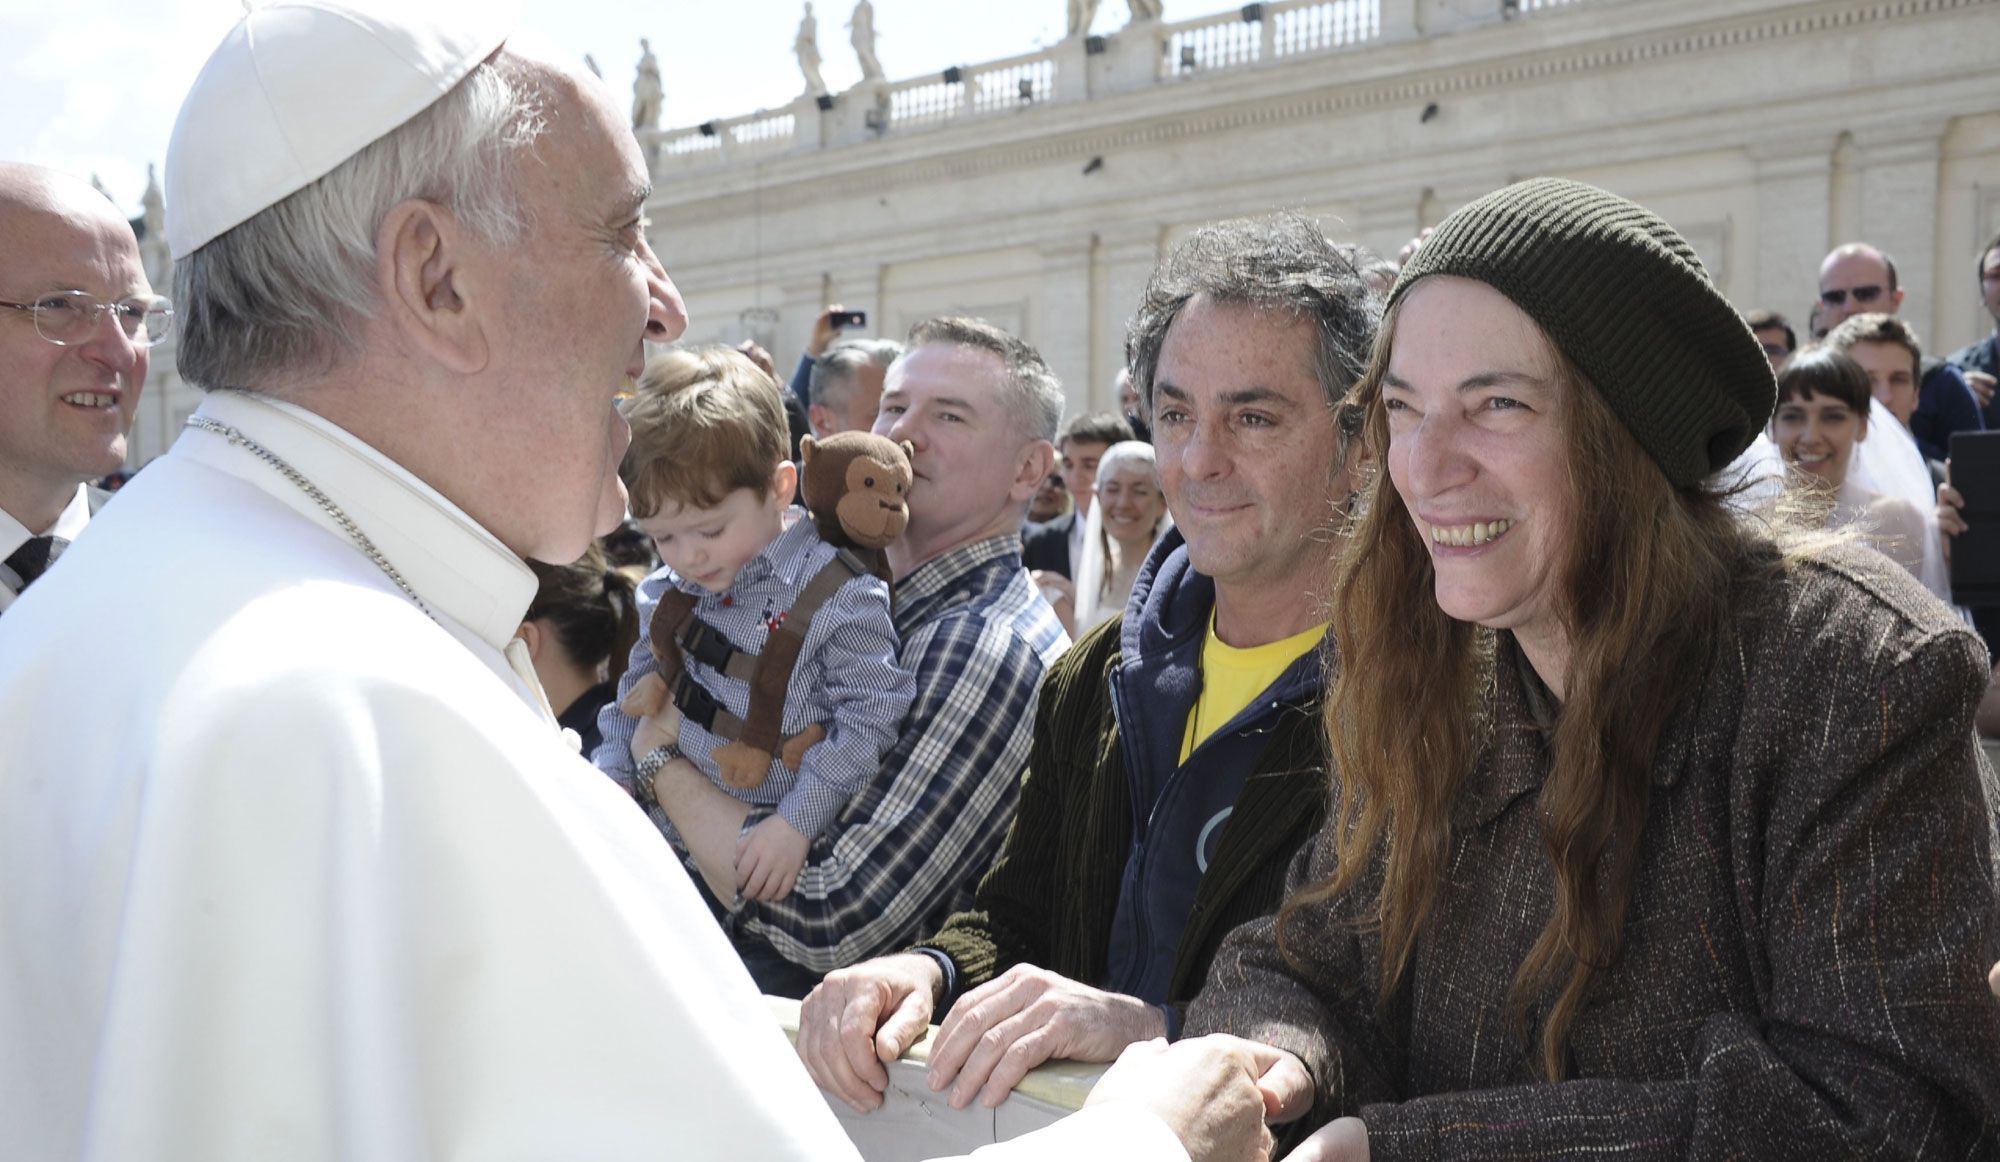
(1658, 832)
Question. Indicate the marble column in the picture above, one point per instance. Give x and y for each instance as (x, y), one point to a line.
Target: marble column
(1399, 20)
(804, 298)
(1899, 199)
(1062, 330)
(1072, 70)
(1126, 256)
(1384, 222)
(1794, 183)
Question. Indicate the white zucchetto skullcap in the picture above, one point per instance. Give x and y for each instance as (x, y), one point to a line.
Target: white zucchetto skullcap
(299, 86)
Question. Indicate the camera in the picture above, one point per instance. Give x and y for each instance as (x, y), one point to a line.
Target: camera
(847, 320)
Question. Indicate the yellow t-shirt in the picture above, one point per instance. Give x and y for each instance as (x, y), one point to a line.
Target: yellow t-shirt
(1230, 678)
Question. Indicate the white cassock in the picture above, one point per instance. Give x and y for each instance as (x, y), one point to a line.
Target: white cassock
(290, 870)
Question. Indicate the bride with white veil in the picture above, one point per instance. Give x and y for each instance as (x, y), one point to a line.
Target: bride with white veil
(1829, 427)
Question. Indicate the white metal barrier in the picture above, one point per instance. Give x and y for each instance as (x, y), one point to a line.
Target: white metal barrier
(914, 1123)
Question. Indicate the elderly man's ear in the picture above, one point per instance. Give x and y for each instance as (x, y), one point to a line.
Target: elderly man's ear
(428, 276)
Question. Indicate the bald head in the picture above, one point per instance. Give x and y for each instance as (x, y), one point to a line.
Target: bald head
(34, 185)
(1857, 279)
(65, 408)
(33, 197)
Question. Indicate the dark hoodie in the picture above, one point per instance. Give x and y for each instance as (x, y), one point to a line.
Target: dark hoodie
(1070, 872)
(1180, 812)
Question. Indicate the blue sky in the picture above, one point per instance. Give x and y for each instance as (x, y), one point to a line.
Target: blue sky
(91, 86)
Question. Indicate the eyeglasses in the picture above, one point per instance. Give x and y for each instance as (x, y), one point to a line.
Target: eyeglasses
(66, 317)
(1862, 294)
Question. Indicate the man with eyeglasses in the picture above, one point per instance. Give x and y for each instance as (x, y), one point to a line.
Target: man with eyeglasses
(1980, 360)
(77, 320)
(1859, 279)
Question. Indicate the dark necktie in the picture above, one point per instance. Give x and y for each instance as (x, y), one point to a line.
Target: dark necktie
(34, 557)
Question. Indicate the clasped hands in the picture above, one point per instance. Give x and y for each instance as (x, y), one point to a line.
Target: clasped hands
(1218, 1093)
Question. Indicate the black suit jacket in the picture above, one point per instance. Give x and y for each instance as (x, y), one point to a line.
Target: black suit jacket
(96, 498)
(1046, 545)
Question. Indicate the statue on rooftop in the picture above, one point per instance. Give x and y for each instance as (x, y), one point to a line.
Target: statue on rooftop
(861, 28)
(1146, 9)
(152, 206)
(153, 252)
(647, 91)
(807, 48)
(1081, 13)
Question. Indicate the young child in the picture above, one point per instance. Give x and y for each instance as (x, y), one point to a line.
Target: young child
(710, 484)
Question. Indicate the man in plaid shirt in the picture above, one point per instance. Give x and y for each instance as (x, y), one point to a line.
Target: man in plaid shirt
(980, 407)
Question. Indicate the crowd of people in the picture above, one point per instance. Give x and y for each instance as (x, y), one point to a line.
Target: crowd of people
(1500, 702)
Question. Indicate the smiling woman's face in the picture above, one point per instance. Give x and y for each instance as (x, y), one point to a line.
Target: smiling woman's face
(1477, 452)
(1132, 502)
(1817, 433)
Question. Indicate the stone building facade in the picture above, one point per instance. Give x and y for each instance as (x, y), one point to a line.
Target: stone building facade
(1039, 190)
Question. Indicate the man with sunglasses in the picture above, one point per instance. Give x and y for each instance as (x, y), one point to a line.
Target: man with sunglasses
(77, 320)
(1859, 279)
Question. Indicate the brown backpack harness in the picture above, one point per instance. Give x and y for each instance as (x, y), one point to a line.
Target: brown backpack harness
(677, 633)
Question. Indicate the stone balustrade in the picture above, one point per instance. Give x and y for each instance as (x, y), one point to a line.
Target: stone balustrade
(1139, 56)
(1266, 32)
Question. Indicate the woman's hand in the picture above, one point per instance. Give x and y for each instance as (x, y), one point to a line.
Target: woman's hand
(1950, 521)
(1060, 592)
(1341, 1140)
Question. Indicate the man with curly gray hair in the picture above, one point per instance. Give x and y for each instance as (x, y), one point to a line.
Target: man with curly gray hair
(1194, 710)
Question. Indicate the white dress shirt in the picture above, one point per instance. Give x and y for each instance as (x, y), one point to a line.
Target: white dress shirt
(13, 534)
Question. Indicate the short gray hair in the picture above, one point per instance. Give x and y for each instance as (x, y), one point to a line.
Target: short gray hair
(834, 372)
(1030, 392)
(289, 288)
(1127, 453)
(1280, 263)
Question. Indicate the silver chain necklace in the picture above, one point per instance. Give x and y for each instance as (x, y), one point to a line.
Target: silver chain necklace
(237, 439)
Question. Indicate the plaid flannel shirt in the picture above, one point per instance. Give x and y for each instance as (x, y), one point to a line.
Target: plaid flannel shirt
(915, 841)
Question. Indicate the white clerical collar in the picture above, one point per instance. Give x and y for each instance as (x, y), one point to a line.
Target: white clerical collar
(75, 515)
(458, 568)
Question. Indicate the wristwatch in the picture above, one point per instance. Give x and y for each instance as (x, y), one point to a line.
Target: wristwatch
(642, 775)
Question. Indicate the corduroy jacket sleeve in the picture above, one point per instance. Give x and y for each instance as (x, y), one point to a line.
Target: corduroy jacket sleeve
(1034, 884)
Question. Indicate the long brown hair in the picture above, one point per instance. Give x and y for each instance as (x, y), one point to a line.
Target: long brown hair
(1644, 600)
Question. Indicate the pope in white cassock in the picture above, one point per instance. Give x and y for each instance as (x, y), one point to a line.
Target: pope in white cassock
(296, 864)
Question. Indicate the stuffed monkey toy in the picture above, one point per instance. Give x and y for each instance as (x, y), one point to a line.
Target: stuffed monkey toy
(855, 485)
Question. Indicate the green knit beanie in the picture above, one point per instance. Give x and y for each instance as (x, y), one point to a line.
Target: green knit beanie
(1626, 299)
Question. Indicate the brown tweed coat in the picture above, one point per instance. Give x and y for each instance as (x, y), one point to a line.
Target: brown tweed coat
(1803, 972)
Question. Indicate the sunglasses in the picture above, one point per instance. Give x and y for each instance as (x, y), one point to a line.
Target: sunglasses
(1862, 294)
